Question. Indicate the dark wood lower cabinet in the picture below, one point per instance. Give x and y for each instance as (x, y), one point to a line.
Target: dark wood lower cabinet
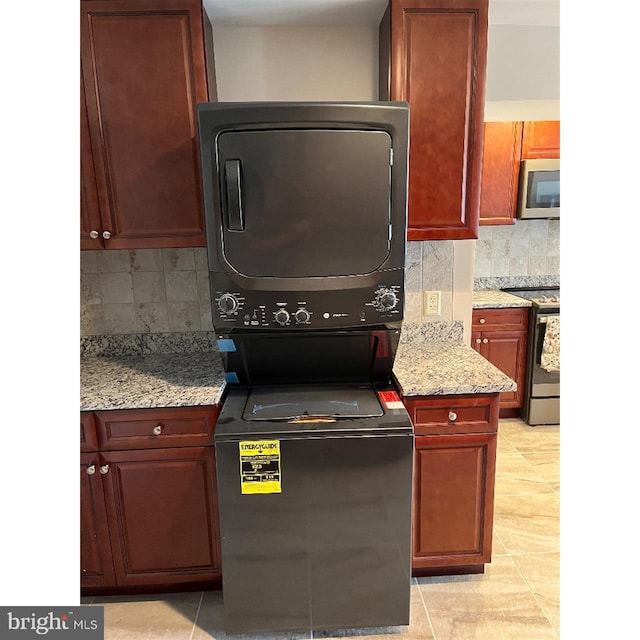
(500, 335)
(160, 507)
(453, 498)
(454, 479)
(96, 561)
(149, 516)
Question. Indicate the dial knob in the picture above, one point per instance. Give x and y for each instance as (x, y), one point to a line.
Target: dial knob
(302, 316)
(227, 303)
(387, 299)
(282, 316)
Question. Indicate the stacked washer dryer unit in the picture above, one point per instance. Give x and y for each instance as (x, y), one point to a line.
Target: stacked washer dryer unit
(305, 207)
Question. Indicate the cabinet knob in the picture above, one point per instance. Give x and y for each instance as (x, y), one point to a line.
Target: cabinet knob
(482, 320)
(453, 416)
(478, 341)
(157, 430)
(485, 340)
(104, 469)
(93, 234)
(91, 470)
(106, 235)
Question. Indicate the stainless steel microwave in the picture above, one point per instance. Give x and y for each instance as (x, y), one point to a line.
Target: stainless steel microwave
(539, 193)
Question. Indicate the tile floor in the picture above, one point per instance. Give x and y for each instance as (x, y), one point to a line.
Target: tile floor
(516, 598)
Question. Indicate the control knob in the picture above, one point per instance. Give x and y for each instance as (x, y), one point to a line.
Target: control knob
(228, 303)
(282, 317)
(302, 316)
(386, 299)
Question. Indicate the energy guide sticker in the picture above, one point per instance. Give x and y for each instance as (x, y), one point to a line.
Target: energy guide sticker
(260, 466)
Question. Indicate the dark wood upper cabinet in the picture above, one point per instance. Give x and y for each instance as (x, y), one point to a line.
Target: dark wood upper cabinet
(433, 54)
(500, 172)
(145, 66)
(541, 139)
(506, 144)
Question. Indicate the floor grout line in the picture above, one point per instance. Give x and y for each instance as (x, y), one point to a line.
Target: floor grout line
(426, 610)
(535, 597)
(195, 620)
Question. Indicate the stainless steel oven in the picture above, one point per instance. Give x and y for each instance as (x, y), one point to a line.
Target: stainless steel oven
(542, 381)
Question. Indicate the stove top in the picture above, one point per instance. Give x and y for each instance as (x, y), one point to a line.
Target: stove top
(543, 298)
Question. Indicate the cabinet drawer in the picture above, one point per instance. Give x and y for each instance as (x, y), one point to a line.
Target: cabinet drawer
(454, 414)
(155, 428)
(502, 319)
(88, 435)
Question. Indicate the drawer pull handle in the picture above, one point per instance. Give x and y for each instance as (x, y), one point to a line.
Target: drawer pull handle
(157, 430)
(485, 340)
(453, 416)
(482, 320)
(104, 469)
(91, 470)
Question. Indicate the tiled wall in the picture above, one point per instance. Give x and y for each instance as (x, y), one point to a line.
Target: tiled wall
(167, 290)
(429, 267)
(144, 291)
(527, 248)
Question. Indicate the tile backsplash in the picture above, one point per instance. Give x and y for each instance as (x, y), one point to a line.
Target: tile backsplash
(526, 248)
(167, 290)
(144, 291)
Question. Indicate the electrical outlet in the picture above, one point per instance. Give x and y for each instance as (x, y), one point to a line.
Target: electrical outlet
(431, 303)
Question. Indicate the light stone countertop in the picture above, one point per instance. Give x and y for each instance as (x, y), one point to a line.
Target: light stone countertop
(146, 381)
(444, 368)
(430, 360)
(494, 299)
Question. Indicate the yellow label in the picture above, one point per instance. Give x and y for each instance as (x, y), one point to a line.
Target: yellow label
(260, 466)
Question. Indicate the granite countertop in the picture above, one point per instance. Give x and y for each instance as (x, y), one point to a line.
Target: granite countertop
(431, 360)
(146, 381)
(444, 368)
(495, 299)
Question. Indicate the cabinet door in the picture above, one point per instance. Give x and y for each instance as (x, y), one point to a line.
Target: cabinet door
(541, 139)
(454, 478)
(90, 222)
(161, 506)
(507, 350)
(500, 172)
(438, 54)
(96, 563)
(501, 336)
(143, 66)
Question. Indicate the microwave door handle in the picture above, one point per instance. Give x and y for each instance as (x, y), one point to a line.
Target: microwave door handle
(235, 215)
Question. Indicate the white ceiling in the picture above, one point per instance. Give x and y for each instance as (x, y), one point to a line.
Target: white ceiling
(267, 13)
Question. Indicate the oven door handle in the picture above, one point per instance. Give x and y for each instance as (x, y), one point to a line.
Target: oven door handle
(235, 215)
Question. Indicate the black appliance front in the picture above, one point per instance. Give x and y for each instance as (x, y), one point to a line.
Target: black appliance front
(305, 207)
(314, 490)
(346, 355)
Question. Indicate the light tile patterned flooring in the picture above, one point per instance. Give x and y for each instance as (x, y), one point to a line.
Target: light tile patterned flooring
(516, 598)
